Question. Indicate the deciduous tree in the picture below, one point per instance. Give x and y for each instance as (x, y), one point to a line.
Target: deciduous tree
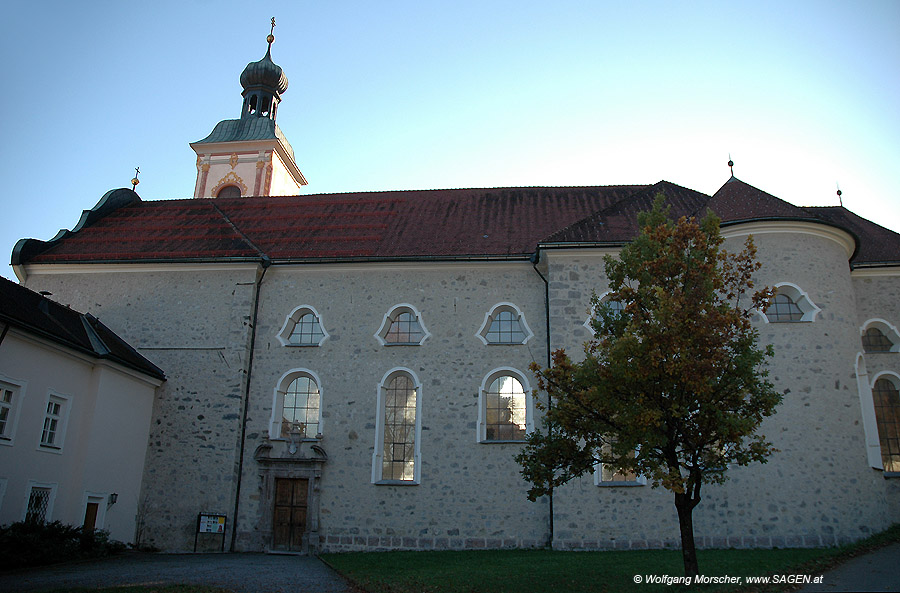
(673, 385)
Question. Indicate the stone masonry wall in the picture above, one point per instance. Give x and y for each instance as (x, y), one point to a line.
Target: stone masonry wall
(810, 491)
(194, 325)
(878, 295)
(471, 494)
(194, 322)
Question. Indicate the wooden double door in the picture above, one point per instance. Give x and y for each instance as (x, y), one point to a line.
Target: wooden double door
(290, 513)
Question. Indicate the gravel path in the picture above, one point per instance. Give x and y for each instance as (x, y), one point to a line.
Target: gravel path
(241, 573)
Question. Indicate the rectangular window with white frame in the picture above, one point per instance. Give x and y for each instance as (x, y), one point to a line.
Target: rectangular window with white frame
(56, 415)
(605, 475)
(10, 403)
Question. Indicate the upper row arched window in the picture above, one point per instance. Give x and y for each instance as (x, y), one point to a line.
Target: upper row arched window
(402, 326)
(504, 324)
(790, 304)
(879, 336)
(302, 328)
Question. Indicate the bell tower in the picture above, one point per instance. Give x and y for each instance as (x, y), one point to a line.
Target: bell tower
(250, 156)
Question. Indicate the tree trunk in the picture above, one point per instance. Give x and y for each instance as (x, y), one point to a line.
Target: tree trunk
(685, 506)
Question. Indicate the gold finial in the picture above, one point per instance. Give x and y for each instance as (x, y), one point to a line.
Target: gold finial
(135, 180)
(271, 37)
(839, 193)
(731, 164)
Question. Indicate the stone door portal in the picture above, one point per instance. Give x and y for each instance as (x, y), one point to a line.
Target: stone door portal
(290, 513)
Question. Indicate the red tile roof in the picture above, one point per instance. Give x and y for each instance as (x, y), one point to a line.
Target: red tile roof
(877, 245)
(398, 225)
(387, 225)
(737, 201)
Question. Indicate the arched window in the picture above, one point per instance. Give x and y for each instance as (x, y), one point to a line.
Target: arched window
(615, 306)
(402, 326)
(398, 429)
(504, 324)
(505, 407)
(887, 415)
(790, 304)
(296, 410)
(783, 308)
(879, 335)
(302, 327)
(874, 340)
(229, 191)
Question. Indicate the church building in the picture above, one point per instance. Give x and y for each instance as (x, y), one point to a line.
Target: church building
(350, 371)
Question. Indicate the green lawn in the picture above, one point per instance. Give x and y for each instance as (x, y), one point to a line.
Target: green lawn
(546, 571)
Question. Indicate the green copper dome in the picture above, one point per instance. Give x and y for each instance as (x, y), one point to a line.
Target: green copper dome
(264, 74)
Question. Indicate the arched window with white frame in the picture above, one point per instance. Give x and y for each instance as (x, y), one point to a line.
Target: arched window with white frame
(402, 326)
(505, 407)
(878, 335)
(616, 307)
(296, 410)
(886, 398)
(398, 429)
(790, 305)
(302, 327)
(504, 324)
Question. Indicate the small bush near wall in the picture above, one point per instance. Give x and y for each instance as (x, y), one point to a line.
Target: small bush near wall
(31, 543)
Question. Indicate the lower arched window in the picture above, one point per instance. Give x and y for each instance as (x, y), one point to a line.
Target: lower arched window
(397, 432)
(886, 396)
(505, 410)
(296, 413)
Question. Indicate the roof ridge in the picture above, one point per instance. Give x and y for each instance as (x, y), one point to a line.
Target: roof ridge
(403, 191)
(97, 342)
(240, 233)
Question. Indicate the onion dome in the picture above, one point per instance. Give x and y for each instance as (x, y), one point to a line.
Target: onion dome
(264, 73)
(264, 82)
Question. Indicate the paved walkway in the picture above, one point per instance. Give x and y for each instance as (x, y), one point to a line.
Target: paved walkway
(269, 573)
(875, 571)
(242, 573)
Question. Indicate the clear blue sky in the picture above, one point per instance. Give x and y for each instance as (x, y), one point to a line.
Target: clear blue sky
(415, 95)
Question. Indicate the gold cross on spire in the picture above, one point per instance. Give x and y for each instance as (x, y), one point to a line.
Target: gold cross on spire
(271, 36)
(135, 181)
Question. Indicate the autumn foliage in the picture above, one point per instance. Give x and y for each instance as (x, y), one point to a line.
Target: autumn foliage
(673, 385)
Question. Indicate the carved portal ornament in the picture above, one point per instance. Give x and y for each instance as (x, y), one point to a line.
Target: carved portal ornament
(230, 179)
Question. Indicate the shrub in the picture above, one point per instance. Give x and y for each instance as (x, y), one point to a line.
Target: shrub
(34, 543)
